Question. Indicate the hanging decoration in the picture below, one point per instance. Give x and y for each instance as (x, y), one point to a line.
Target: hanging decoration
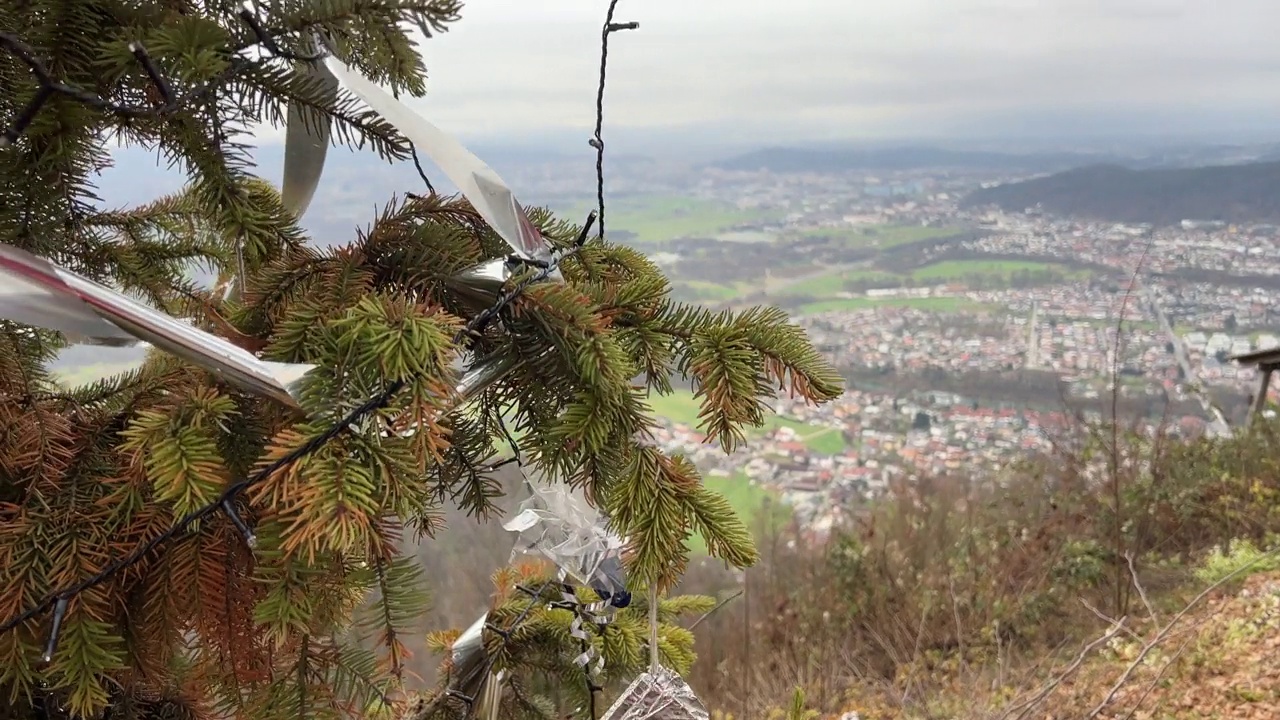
(488, 194)
(657, 695)
(306, 141)
(35, 292)
(557, 523)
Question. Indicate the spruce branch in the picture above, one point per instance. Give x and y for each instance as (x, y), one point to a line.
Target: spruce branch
(126, 503)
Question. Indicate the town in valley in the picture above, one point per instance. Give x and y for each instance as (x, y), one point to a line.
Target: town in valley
(970, 335)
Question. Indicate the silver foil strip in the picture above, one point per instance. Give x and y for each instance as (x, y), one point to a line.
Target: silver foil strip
(34, 291)
(469, 673)
(306, 140)
(481, 286)
(486, 191)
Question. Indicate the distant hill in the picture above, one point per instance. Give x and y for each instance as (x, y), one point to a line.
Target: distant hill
(903, 158)
(1231, 193)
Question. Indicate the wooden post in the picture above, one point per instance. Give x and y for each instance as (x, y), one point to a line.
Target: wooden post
(1261, 400)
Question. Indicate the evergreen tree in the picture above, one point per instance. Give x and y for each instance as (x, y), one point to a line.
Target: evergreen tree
(206, 625)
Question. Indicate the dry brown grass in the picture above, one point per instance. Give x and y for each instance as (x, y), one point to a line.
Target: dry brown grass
(950, 599)
(957, 599)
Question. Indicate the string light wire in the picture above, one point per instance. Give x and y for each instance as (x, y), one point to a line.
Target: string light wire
(597, 141)
(536, 596)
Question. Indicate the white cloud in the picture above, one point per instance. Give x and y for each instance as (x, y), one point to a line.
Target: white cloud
(845, 66)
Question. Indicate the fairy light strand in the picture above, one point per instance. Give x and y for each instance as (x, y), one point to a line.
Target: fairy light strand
(597, 141)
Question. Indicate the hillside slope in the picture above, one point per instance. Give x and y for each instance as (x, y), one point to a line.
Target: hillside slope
(1232, 193)
(1213, 662)
(783, 160)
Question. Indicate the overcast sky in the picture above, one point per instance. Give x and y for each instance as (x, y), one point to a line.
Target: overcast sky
(858, 68)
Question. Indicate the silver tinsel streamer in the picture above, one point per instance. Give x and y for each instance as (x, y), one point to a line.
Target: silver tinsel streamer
(597, 613)
(34, 291)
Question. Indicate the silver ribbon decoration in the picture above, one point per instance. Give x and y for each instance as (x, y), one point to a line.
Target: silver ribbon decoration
(600, 613)
(479, 184)
(306, 140)
(306, 145)
(307, 131)
(470, 678)
(36, 292)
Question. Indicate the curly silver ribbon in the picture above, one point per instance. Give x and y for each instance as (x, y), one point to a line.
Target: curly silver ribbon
(599, 613)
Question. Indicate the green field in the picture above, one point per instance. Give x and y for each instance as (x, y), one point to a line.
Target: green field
(749, 501)
(937, 304)
(934, 273)
(829, 285)
(884, 236)
(681, 407)
(824, 440)
(702, 291)
(955, 269)
(661, 218)
(678, 407)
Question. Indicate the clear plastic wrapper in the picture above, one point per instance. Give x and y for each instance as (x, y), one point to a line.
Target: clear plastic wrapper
(657, 695)
(34, 291)
(558, 523)
(487, 192)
